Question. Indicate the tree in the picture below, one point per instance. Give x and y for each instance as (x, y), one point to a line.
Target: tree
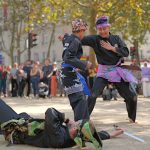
(130, 18)
(12, 27)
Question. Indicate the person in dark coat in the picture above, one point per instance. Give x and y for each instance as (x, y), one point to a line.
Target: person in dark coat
(71, 79)
(54, 131)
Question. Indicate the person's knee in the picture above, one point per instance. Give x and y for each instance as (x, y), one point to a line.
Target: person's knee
(133, 96)
(76, 98)
(50, 114)
(94, 95)
(49, 111)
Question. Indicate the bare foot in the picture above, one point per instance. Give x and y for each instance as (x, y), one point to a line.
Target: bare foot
(131, 121)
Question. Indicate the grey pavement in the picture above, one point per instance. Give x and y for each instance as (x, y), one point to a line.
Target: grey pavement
(105, 115)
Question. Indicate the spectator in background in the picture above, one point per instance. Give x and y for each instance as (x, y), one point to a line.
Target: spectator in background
(21, 82)
(60, 87)
(8, 81)
(146, 80)
(136, 71)
(35, 79)
(110, 92)
(54, 80)
(27, 69)
(107, 93)
(0, 80)
(92, 74)
(14, 75)
(47, 73)
(114, 91)
(3, 81)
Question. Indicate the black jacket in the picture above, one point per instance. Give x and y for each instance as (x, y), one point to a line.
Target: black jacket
(104, 56)
(73, 52)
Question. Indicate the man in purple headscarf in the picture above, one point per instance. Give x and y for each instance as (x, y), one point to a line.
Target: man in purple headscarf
(110, 50)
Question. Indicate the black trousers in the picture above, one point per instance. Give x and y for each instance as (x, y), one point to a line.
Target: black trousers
(75, 93)
(79, 105)
(21, 85)
(125, 91)
(6, 112)
(14, 87)
(28, 86)
(47, 81)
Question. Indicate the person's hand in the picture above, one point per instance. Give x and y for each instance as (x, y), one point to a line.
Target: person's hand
(107, 46)
(89, 65)
(61, 37)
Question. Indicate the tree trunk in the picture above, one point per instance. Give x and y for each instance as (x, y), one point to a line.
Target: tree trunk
(51, 40)
(11, 56)
(13, 39)
(136, 45)
(12, 45)
(19, 30)
(18, 56)
(92, 31)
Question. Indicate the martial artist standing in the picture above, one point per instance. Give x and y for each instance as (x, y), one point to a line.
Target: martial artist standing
(69, 75)
(110, 50)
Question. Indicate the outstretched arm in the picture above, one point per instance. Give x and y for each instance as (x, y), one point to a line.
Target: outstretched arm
(89, 41)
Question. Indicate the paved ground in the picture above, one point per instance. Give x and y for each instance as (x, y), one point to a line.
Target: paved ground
(105, 115)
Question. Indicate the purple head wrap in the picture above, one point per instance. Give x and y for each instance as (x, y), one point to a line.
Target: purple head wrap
(102, 22)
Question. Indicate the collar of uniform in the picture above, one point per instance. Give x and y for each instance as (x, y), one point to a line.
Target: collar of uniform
(76, 36)
(105, 39)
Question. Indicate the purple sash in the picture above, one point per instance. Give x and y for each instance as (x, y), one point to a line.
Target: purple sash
(114, 73)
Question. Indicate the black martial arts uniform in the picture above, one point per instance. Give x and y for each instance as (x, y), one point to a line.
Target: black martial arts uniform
(106, 57)
(55, 134)
(72, 84)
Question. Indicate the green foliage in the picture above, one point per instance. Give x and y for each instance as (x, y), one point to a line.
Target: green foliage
(128, 17)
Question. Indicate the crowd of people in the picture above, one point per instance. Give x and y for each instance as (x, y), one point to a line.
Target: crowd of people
(34, 79)
(29, 79)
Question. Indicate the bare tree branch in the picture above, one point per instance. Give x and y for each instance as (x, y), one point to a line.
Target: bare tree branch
(81, 4)
(5, 51)
(51, 39)
(3, 43)
(23, 51)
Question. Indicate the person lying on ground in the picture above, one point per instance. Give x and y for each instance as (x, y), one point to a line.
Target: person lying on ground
(54, 131)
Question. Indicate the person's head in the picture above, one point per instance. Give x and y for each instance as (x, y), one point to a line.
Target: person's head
(9, 68)
(103, 26)
(15, 65)
(28, 62)
(145, 64)
(37, 62)
(21, 66)
(55, 64)
(4, 67)
(47, 61)
(134, 61)
(35, 65)
(79, 27)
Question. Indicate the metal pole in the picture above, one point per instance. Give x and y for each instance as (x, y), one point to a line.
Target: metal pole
(29, 48)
